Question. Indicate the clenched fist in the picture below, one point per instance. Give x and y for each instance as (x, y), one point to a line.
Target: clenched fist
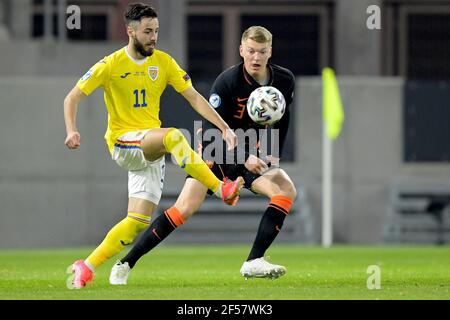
(73, 140)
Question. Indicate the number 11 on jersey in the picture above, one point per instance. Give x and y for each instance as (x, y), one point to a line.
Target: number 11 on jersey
(136, 95)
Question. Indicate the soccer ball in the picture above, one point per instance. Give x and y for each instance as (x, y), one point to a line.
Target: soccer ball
(266, 105)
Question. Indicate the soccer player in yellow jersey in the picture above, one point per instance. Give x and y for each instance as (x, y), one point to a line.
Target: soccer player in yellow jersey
(133, 79)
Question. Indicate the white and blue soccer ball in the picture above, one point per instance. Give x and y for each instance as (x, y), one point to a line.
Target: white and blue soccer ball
(266, 105)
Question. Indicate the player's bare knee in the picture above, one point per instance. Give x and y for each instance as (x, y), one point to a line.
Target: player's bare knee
(281, 184)
(186, 208)
(287, 188)
(291, 191)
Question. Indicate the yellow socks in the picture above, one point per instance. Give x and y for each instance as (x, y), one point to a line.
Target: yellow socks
(189, 160)
(118, 237)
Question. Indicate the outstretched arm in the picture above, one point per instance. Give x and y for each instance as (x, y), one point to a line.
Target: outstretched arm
(71, 103)
(199, 104)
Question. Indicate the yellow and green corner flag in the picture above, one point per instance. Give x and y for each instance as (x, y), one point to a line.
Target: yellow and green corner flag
(333, 113)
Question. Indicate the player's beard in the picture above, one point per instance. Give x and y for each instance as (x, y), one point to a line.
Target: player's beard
(139, 47)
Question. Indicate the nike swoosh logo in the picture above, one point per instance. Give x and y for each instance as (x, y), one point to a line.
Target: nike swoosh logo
(124, 243)
(156, 234)
(125, 75)
(241, 99)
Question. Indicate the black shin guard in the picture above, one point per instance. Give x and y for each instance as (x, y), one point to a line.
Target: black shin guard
(269, 227)
(156, 232)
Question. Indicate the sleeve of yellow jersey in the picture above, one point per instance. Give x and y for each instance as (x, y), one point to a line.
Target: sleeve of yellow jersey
(178, 78)
(97, 76)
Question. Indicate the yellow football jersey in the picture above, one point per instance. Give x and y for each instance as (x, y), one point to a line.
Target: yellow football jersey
(132, 89)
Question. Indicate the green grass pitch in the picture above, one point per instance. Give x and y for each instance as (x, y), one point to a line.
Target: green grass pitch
(212, 272)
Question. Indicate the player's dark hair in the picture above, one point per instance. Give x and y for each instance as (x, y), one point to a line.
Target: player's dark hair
(137, 11)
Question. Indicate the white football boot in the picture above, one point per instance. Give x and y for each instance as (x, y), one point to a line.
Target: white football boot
(260, 268)
(119, 273)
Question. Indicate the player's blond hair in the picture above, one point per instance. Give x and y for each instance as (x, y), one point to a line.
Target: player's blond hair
(258, 34)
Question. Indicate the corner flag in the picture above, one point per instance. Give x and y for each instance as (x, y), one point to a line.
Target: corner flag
(333, 116)
(333, 113)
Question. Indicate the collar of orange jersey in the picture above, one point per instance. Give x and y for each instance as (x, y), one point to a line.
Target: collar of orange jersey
(252, 81)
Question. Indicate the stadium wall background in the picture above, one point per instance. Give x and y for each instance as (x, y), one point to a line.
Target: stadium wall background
(51, 196)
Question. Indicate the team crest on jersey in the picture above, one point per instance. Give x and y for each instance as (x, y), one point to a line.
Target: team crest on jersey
(153, 72)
